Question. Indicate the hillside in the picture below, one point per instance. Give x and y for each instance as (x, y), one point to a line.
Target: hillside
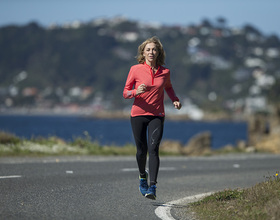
(213, 66)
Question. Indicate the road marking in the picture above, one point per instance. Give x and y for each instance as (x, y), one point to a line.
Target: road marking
(69, 171)
(8, 177)
(136, 169)
(236, 165)
(167, 168)
(163, 211)
(129, 169)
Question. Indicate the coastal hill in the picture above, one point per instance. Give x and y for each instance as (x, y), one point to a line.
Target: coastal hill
(214, 67)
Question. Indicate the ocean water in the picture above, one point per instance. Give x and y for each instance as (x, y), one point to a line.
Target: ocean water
(118, 131)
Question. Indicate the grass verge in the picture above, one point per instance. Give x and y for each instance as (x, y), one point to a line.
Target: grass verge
(11, 145)
(261, 201)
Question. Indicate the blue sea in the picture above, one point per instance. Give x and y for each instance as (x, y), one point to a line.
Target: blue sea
(118, 131)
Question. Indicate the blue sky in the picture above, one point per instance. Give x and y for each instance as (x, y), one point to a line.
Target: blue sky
(262, 14)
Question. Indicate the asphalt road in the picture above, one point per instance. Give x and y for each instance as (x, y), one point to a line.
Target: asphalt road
(107, 187)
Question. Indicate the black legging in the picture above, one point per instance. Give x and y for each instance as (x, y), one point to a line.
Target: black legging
(139, 125)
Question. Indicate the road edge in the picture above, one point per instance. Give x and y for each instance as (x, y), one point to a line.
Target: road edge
(164, 211)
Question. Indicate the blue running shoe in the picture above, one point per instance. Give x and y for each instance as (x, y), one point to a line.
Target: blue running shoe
(151, 193)
(143, 186)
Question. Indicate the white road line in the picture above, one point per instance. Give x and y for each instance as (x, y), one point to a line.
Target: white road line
(129, 169)
(136, 169)
(8, 177)
(236, 165)
(167, 168)
(163, 211)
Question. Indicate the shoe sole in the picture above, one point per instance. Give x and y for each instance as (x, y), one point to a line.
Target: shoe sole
(150, 196)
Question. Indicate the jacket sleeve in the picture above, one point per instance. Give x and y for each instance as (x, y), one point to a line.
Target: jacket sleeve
(169, 90)
(129, 91)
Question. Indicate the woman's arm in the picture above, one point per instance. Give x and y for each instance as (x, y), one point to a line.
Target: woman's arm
(171, 93)
(129, 91)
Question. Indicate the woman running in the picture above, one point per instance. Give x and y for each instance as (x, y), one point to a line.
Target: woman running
(146, 83)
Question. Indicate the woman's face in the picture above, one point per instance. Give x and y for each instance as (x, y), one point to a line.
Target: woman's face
(150, 53)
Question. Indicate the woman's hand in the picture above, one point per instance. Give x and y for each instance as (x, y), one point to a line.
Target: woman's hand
(141, 89)
(177, 105)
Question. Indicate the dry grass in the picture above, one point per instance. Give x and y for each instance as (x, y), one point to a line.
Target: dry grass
(8, 138)
(10, 145)
(261, 201)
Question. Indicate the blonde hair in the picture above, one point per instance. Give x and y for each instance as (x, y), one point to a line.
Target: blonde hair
(161, 53)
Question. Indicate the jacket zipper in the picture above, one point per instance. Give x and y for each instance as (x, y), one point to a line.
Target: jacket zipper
(152, 74)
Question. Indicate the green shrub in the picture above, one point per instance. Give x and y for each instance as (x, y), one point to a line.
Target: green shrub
(8, 138)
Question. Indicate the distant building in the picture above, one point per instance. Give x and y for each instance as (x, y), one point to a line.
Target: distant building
(255, 104)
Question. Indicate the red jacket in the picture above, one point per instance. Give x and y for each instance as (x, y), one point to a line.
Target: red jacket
(151, 101)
